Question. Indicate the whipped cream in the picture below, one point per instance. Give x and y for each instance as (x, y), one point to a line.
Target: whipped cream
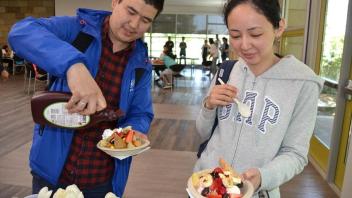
(233, 190)
(107, 133)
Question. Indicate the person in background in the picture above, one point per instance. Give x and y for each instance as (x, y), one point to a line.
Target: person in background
(166, 75)
(7, 52)
(170, 44)
(7, 57)
(217, 41)
(157, 70)
(183, 46)
(214, 55)
(224, 49)
(104, 76)
(205, 52)
(270, 146)
(4, 73)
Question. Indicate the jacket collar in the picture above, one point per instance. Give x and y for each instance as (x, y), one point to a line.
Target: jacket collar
(91, 19)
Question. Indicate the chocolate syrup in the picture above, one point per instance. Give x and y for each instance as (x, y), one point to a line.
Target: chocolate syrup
(48, 108)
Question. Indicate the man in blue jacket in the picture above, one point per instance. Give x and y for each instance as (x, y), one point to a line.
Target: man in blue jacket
(103, 76)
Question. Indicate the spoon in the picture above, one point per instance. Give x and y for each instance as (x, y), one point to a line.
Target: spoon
(244, 109)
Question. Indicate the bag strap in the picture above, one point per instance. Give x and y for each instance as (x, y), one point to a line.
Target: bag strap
(224, 74)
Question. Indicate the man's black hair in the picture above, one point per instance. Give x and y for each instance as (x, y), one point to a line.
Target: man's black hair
(157, 4)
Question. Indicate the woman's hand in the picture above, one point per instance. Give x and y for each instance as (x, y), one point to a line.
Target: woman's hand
(252, 175)
(220, 95)
(87, 97)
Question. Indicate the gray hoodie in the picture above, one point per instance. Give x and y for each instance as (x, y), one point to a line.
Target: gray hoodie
(275, 138)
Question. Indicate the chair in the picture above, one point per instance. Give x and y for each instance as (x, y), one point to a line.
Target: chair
(8, 63)
(18, 62)
(176, 70)
(206, 66)
(33, 73)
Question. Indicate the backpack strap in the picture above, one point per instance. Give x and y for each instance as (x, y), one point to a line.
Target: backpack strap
(223, 73)
(82, 41)
(139, 73)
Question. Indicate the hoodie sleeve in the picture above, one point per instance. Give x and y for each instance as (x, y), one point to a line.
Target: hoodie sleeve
(46, 42)
(206, 118)
(292, 156)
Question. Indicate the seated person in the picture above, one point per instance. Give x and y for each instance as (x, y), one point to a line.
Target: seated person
(6, 52)
(4, 73)
(166, 51)
(7, 55)
(172, 68)
(166, 74)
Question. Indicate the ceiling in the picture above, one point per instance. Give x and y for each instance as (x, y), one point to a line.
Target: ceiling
(209, 3)
(193, 6)
(68, 7)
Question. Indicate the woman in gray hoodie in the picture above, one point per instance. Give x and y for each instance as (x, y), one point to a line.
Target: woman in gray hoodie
(270, 146)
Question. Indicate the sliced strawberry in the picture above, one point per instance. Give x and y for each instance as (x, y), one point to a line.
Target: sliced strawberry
(217, 183)
(235, 195)
(120, 135)
(129, 136)
(218, 170)
(221, 190)
(213, 195)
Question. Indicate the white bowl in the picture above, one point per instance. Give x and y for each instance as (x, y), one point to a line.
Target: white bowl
(247, 189)
(123, 153)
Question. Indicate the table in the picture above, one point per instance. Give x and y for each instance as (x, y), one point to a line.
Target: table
(192, 62)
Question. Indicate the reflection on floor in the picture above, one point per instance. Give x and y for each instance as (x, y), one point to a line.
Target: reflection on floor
(160, 172)
(323, 129)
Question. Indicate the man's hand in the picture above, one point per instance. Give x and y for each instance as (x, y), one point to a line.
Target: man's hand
(252, 175)
(220, 95)
(87, 97)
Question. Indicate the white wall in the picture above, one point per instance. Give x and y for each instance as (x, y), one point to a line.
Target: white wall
(68, 7)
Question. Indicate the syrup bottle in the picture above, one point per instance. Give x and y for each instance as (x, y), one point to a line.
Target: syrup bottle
(48, 108)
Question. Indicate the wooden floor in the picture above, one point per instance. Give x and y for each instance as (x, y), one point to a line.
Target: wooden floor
(173, 141)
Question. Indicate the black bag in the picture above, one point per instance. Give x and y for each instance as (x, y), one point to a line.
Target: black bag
(224, 74)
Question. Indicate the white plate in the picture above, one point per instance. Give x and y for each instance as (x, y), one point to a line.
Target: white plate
(123, 153)
(32, 196)
(247, 189)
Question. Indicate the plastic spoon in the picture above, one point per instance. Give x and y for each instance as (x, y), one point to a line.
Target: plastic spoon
(244, 109)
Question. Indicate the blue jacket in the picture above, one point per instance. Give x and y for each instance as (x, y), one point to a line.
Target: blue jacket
(46, 42)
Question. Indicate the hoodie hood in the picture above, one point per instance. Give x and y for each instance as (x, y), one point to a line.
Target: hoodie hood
(297, 71)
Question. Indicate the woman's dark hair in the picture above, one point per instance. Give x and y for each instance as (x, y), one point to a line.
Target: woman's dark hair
(269, 8)
(211, 41)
